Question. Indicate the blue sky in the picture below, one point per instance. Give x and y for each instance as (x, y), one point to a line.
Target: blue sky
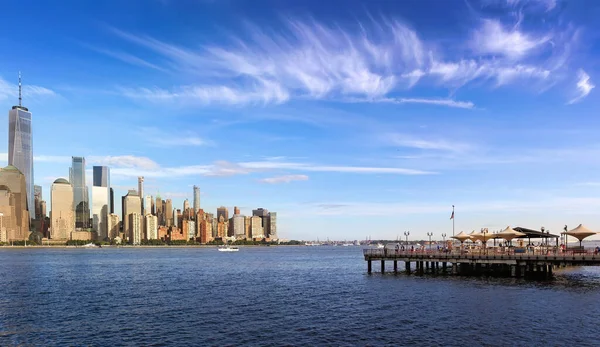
(348, 118)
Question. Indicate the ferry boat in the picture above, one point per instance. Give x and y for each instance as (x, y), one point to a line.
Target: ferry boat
(228, 248)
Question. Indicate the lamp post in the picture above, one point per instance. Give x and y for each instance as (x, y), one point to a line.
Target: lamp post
(484, 231)
(444, 238)
(406, 233)
(430, 235)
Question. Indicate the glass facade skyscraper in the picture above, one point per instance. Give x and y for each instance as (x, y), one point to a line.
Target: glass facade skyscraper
(80, 193)
(100, 200)
(20, 149)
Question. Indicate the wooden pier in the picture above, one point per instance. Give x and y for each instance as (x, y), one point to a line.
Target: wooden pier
(474, 264)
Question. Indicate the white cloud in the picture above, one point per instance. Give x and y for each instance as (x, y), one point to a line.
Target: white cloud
(225, 168)
(405, 140)
(125, 57)
(437, 102)
(493, 38)
(284, 179)
(11, 91)
(258, 92)
(159, 137)
(584, 86)
(63, 159)
(124, 161)
(546, 5)
(365, 61)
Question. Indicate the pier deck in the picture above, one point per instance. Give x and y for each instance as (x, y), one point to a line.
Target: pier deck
(541, 264)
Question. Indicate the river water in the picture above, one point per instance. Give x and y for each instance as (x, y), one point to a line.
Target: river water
(274, 296)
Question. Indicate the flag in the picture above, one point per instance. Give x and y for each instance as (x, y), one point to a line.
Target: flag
(452, 216)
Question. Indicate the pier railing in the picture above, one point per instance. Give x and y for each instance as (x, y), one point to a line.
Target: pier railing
(482, 253)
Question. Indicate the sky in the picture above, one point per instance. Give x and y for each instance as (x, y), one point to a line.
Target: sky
(351, 119)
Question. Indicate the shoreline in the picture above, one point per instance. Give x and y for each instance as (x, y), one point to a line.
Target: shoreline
(140, 246)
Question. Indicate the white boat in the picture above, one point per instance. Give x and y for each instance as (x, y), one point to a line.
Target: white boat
(380, 245)
(228, 248)
(89, 245)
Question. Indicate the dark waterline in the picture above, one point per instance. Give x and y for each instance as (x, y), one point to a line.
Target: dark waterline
(275, 296)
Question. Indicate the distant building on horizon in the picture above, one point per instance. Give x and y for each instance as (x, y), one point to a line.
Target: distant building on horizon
(20, 148)
(131, 204)
(62, 214)
(37, 200)
(151, 227)
(222, 212)
(80, 192)
(196, 199)
(101, 200)
(113, 226)
(135, 228)
(141, 192)
(13, 205)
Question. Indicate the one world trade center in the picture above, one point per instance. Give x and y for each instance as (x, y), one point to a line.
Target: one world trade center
(20, 146)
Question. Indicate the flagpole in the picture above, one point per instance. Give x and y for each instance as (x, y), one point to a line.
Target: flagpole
(453, 220)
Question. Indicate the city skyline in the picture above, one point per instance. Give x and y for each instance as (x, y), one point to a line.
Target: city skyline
(366, 121)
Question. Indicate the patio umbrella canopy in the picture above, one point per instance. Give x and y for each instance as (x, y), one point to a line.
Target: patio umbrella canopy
(462, 237)
(483, 237)
(580, 233)
(509, 233)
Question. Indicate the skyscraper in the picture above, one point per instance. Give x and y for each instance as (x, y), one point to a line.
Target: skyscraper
(61, 214)
(141, 191)
(196, 199)
(14, 219)
(37, 197)
(20, 147)
(223, 211)
(80, 193)
(101, 200)
(132, 203)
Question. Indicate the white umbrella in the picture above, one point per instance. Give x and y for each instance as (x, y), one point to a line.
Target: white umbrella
(580, 233)
(509, 233)
(462, 237)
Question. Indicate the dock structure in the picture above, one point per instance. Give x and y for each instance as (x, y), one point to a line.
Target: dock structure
(482, 263)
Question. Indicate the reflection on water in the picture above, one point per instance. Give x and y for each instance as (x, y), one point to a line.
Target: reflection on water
(277, 296)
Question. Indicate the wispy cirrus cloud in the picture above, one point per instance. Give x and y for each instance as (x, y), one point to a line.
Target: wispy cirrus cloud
(11, 91)
(283, 179)
(367, 60)
(125, 57)
(410, 141)
(157, 137)
(584, 86)
(225, 168)
(493, 38)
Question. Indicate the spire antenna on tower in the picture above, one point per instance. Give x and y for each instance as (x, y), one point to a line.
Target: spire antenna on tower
(20, 89)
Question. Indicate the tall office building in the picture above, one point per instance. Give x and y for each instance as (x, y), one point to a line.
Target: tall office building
(236, 210)
(37, 200)
(131, 204)
(147, 204)
(196, 199)
(80, 193)
(141, 191)
(135, 228)
(186, 205)
(20, 147)
(238, 226)
(168, 212)
(112, 200)
(224, 212)
(175, 219)
(14, 218)
(151, 227)
(101, 201)
(273, 226)
(62, 216)
(113, 225)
